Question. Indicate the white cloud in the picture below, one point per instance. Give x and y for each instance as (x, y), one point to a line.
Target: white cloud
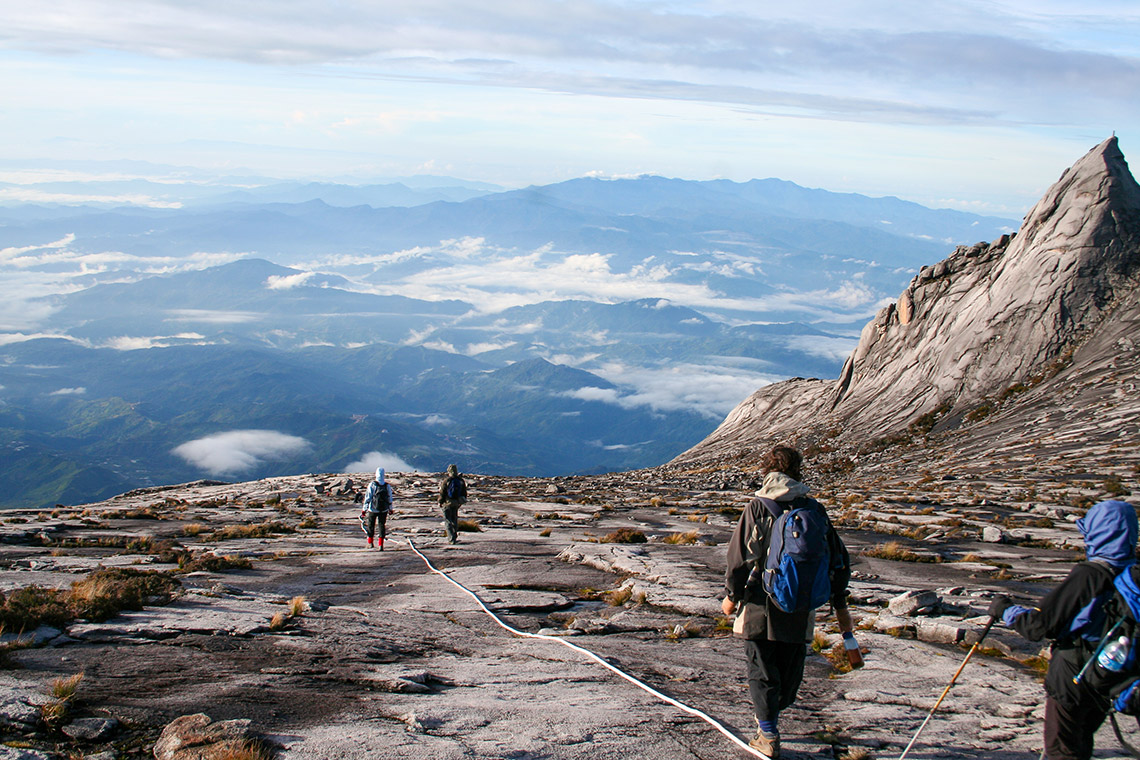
(836, 349)
(137, 343)
(711, 390)
(239, 450)
(373, 459)
(438, 420)
(212, 316)
(6, 338)
(69, 392)
(474, 349)
(590, 393)
(288, 281)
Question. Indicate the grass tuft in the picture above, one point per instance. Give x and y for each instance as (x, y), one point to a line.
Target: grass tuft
(468, 526)
(297, 606)
(624, 536)
(688, 537)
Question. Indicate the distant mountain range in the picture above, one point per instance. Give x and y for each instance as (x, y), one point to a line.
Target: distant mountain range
(586, 326)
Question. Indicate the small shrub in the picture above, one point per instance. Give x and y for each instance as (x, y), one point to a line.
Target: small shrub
(657, 501)
(29, 607)
(624, 536)
(193, 529)
(211, 563)
(468, 526)
(689, 537)
(309, 523)
(105, 593)
(259, 530)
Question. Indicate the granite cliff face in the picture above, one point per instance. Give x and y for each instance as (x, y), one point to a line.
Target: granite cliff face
(1015, 327)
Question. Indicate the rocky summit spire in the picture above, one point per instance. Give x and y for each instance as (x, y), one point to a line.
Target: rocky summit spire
(988, 319)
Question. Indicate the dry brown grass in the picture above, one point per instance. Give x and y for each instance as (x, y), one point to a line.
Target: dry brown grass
(688, 537)
(62, 691)
(279, 621)
(297, 606)
(624, 536)
(468, 526)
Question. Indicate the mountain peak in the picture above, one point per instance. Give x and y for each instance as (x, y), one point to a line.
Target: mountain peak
(988, 319)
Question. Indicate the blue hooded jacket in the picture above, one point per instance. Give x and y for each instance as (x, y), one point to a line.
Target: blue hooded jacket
(1110, 532)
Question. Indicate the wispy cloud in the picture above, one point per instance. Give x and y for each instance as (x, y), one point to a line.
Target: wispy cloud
(239, 450)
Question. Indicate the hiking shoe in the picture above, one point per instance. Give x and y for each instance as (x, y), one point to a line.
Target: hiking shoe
(380, 544)
(370, 543)
(766, 744)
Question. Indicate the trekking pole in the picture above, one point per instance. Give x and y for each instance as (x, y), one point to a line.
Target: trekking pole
(946, 691)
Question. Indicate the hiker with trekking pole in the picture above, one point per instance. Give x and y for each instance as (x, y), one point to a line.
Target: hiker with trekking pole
(1087, 647)
(784, 560)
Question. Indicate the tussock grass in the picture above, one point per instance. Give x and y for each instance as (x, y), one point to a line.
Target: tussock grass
(688, 537)
(62, 691)
(468, 526)
(193, 529)
(618, 597)
(894, 550)
(279, 621)
(247, 750)
(297, 606)
(624, 536)
(545, 532)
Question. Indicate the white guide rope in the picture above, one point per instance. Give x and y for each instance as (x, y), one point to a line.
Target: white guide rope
(645, 687)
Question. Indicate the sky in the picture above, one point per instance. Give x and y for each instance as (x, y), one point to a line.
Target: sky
(973, 104)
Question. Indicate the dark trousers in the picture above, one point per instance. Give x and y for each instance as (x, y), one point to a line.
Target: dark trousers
(451, 520)
(370, 521)
(775, 671)
(1069, 728)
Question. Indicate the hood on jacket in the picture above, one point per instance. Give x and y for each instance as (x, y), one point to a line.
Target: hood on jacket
(379, 474)
(1110, 532)
(780, 487)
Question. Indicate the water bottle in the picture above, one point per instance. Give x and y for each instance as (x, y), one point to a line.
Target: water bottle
(854, 656)
(1113, 656)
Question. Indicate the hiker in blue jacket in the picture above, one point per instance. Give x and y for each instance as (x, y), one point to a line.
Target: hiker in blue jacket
(377, 504)
(776, 641)
(1073, 616)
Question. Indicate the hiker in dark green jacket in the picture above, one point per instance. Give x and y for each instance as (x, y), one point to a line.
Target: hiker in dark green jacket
(452, 496)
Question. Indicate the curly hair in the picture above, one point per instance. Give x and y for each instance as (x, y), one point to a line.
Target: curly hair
(783, 459)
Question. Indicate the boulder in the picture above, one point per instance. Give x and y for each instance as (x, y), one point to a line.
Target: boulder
(992, 534)
(912, 602)
(91, 729)
(198, 737)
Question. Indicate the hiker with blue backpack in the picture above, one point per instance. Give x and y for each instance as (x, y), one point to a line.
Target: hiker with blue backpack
(452, 496)
(1088, 657)
(377, 504)
(784, 560)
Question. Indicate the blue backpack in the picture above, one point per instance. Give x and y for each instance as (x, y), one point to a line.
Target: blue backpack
(798, 562)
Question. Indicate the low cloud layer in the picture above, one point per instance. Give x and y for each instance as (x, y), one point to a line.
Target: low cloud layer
(373, 459)
(239, 450)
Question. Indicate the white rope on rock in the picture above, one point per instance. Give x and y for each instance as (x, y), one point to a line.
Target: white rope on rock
(641, 685)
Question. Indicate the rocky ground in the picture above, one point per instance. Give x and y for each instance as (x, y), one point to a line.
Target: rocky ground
(334, 651)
